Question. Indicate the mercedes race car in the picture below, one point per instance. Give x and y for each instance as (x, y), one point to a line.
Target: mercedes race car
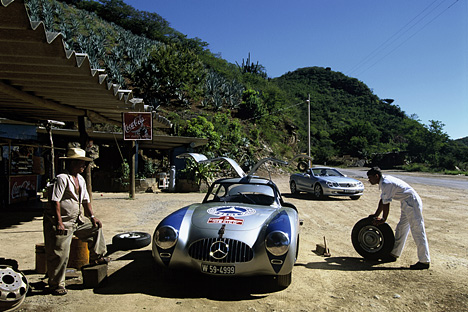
(242, 228)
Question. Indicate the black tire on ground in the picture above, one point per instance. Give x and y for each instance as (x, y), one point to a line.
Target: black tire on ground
(293, 187)
(131, 240)
(372, 242)
(355, 197)
(318, 191)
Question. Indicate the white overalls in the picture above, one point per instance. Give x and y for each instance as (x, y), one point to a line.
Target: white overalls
(411, 216)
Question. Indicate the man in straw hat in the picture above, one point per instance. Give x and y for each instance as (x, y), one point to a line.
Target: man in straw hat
(63, 219)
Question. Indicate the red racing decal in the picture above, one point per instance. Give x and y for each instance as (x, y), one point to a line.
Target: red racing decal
(226, 220)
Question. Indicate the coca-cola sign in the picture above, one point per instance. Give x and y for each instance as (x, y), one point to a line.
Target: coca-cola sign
(137, 126)
(22, 187)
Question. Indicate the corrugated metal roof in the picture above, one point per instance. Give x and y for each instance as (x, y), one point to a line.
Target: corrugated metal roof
(41, 80)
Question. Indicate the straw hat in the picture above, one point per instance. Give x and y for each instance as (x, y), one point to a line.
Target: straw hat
(76, 154)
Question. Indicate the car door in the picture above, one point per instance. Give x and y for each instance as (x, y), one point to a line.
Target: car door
(305, 180)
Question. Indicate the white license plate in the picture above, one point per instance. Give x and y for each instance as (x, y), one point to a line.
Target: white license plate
(218, 269)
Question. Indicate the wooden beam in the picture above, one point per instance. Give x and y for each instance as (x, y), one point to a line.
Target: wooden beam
(42, 104)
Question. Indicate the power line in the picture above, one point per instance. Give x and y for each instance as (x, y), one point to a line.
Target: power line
(397, 35)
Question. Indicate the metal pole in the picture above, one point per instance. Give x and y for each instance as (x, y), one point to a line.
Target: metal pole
(52, 153)
(308, 127)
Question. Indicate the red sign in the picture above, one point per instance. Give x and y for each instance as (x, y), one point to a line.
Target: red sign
(22, 187)
(138, 126)
(226, 220)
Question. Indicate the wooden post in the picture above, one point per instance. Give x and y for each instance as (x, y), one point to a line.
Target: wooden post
(132, 170)
(84, 138)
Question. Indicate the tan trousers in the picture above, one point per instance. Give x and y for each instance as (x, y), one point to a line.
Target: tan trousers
(58, 246)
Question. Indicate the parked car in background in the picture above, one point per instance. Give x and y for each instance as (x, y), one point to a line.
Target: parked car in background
(242, 228)
(325, 181)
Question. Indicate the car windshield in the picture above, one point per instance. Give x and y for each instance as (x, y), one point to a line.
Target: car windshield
(326, 172)
(256, 194)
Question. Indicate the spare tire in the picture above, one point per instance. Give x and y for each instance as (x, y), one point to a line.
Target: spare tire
(373, 242)
(13, 288)
(302, 166)
(131, 240)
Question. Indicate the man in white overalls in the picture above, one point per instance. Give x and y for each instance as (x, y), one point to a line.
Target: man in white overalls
(411, 215)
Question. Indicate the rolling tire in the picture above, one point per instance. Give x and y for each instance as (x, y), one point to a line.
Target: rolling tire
(131, 240)
(372, 242)
(293, 188)
(318, 191)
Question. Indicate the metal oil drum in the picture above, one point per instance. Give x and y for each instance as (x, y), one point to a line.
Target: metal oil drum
(79, 254)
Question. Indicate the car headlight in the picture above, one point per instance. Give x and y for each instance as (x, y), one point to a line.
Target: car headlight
(166, 237)
(332, 184)
(277, 243)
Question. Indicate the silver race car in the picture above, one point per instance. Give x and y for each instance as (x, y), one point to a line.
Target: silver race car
(325, 181)
(242, 228)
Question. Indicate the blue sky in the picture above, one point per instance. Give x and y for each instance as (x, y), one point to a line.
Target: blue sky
(415, 52)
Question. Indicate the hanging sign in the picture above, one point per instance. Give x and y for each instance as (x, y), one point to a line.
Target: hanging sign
(137, 126)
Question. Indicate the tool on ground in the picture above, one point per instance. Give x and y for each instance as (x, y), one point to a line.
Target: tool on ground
(326, 253)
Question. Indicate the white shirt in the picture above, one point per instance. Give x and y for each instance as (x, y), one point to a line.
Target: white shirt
(65, 192)
(394, 188)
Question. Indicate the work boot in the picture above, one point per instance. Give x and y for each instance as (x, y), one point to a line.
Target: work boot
(419, 266)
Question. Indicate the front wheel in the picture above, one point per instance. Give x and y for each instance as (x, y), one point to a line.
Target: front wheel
(284, 281)
(293, 187)
(318, 191)
(373, 242)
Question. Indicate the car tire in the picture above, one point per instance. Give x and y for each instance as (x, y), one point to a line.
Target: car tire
(302, 166)
(355, 197)
(293, 188)
(283, 281)
(318, 191)
(131, 240)
(372, 242)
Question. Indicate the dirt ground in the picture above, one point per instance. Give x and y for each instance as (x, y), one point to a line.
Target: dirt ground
(342, 282)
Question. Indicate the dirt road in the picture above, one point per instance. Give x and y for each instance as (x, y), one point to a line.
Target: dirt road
(341, 282)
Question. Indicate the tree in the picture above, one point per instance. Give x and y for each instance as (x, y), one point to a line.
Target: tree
(357, 138)
(251, 106)
(171, 74)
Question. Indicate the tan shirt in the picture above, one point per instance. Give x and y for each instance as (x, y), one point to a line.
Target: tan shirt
(70, 196)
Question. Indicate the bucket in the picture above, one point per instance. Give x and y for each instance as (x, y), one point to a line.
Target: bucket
(79, 254)
(41, 263)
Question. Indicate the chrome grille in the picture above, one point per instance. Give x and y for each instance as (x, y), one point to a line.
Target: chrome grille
(238, 251)
(348, 184)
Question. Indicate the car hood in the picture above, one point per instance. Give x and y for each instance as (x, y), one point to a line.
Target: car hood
(236, 216)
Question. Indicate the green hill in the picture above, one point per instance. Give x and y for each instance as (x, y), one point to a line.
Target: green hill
(244, 114)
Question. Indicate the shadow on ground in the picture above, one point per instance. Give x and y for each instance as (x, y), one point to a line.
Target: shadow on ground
(140, 276)
(348, 264)
(13, 215)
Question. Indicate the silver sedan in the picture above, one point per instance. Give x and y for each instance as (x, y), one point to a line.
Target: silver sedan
(325, 181)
